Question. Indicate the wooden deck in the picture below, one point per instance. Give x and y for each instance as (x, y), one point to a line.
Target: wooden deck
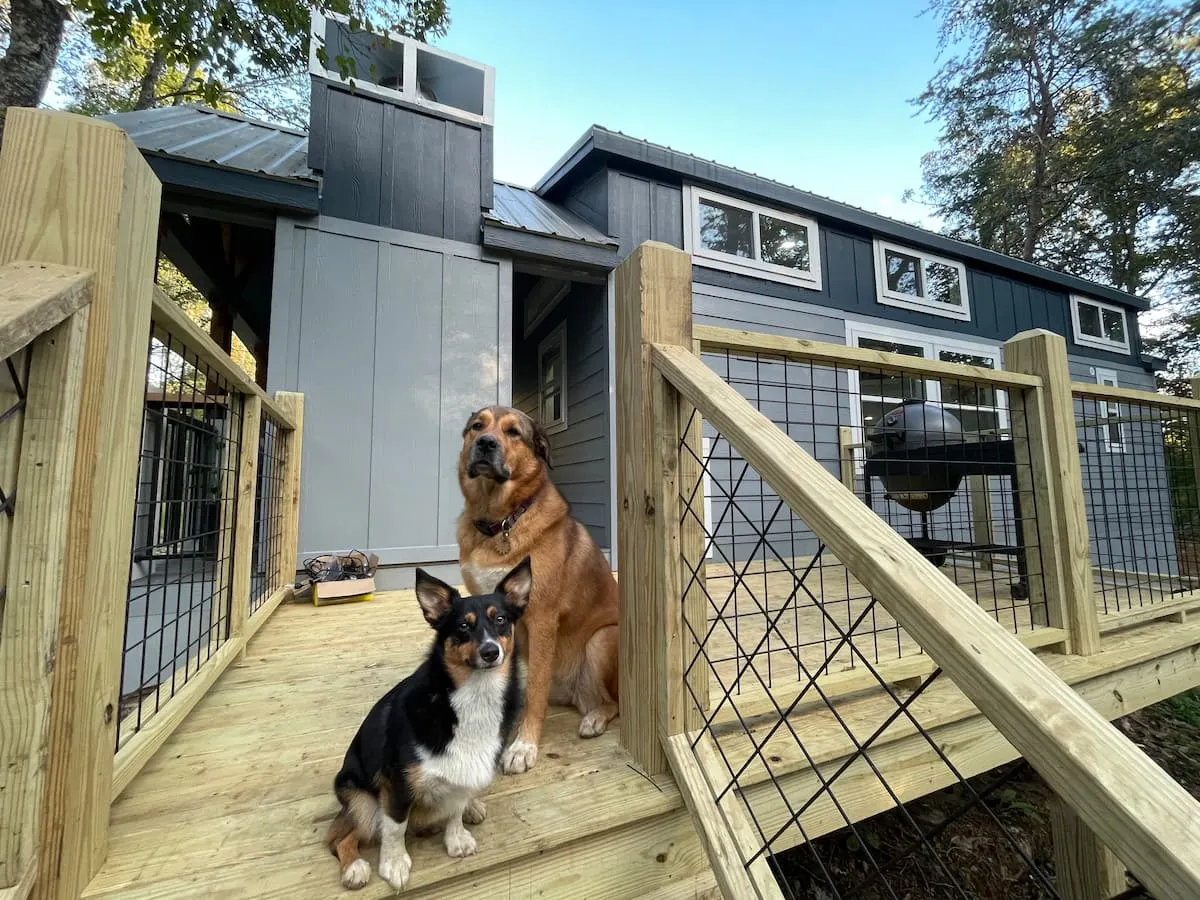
(237, 801)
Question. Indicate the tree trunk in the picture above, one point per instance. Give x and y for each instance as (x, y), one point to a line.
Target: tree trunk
(148, 90)
(182, 94)
(26, 67)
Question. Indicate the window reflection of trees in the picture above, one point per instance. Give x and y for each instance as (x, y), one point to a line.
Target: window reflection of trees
(783, 243)
(726, 229)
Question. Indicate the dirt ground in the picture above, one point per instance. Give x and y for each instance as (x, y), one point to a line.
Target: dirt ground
(969, 854)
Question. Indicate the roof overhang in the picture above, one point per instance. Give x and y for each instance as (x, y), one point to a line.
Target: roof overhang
(599, 146)
(258, 190)
(551, 248)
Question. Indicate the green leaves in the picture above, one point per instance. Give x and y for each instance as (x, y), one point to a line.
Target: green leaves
(1070, 134)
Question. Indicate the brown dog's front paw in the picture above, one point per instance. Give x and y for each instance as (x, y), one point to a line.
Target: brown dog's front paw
(519, 757)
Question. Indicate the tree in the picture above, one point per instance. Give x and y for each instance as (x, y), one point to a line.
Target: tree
(32, 31)
(1070, 136)
(249, 49)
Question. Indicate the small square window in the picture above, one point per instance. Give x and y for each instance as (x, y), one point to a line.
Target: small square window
(912, 279)
(737, 236)
(552, 380)
(1099, 325)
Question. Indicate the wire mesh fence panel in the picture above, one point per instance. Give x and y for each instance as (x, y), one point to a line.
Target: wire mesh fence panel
(933, 455)
(1138, 463)
(268, 514)
(813, 717)
(180, 579)
(14, 385)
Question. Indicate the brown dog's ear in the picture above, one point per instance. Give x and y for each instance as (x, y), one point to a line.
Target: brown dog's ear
(470, 419)
(435, 596)
(517, 585)
(541, 444)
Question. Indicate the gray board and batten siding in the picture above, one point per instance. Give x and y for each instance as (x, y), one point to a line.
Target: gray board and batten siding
(385, 163)
(394, 339)
(580, 452)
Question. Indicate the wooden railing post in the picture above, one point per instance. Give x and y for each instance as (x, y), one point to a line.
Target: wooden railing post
(76, 191)
(1043, 420)
(1084, 868)
(293, 442)
(43, 438)
(245, 485)
(654, 305)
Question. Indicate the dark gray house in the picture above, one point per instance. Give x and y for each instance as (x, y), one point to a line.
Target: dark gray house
(375, 264)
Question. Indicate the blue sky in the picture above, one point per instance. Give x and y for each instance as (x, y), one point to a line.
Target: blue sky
(810, 94)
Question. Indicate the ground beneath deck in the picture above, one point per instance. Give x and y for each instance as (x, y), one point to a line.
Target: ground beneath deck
(236, 803)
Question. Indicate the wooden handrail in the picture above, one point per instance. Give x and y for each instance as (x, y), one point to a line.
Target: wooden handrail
(35, 297)
(168, 317)
(1135, 808)
(713, 338)
(1132, 395)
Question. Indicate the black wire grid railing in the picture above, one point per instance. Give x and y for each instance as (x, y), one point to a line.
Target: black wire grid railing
(268, 514)
(180, 582)
(946, 476)
(1141, 499)
(823, 775)
(12, 398)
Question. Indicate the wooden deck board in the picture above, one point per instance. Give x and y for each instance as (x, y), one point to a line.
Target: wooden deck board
(237, 801)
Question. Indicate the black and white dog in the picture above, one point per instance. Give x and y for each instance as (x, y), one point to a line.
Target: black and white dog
(430, 746)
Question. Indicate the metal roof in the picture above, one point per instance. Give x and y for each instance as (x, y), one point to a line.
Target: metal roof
(518, 207)
(199, 134)
(598, 144)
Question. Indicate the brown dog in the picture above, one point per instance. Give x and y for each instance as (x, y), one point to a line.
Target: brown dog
(569, 630)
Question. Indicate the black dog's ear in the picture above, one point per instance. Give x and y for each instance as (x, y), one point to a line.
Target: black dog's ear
(435, 596)
(541, 444)
(517, 585)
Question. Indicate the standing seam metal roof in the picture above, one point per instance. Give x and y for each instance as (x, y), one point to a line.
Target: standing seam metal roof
(518, 207)
(200, 134)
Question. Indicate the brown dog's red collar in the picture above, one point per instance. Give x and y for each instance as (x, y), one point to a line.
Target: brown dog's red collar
(492, 528)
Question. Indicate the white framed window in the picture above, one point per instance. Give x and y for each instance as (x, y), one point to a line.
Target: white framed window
(914, 279)
(1112, 433)
(980, 408)
(1100, 325)
(725, 233)
(552, 380)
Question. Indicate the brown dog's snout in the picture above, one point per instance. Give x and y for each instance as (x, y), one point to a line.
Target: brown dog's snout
(486, 443)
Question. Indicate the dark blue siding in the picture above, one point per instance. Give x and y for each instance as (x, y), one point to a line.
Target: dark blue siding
(385, 164)
(581, 452)
(643, 209)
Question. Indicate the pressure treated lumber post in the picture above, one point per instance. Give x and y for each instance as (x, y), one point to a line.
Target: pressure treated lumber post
(654, 305)
(293, 442)
(1084, 868)
(44, 437)
(243, 528)
(846, 456)
(75, 191)
(1043, 419)
(981, 517)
